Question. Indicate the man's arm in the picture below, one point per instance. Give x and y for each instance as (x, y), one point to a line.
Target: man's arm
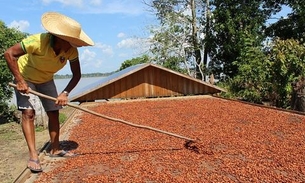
(76, 75)
(11, 56)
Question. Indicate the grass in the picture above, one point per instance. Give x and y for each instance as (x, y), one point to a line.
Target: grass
(62, 118)
(7, 135)
(39, 128)
(8, 131)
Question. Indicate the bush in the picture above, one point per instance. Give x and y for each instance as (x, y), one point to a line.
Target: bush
(7, 114)
(8, 37)
(62, 118)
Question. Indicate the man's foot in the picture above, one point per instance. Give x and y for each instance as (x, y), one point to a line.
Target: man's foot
(62, 153)
(34, 165)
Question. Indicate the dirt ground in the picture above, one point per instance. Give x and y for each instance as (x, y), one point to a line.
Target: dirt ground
(13, 149)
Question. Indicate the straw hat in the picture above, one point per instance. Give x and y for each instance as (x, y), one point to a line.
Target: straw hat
(65, 28)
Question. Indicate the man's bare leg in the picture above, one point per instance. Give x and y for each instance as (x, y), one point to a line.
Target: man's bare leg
(28, 128)
(54, 130)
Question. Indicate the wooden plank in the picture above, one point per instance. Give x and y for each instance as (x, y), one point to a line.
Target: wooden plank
(146, 84)
(117, 89)
(140, 88)
(122, 93)
(128, 80)
(151, 83)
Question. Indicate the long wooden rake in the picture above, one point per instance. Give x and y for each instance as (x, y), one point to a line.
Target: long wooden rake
(189, 140)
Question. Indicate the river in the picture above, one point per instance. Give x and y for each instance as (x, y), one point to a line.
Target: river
(62, 83)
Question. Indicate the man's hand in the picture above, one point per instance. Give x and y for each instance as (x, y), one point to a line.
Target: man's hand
(62, 99)
(22, 87)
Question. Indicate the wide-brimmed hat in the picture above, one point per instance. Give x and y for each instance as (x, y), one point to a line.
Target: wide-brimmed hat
(65, 28)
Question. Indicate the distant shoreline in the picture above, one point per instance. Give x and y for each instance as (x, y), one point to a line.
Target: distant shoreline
(57, 76)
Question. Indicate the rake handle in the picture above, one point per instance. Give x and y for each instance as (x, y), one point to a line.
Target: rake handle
(109, 118)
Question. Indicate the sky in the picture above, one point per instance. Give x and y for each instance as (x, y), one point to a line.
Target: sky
(119, 28)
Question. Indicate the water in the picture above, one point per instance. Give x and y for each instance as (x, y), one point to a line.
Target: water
(62, 83)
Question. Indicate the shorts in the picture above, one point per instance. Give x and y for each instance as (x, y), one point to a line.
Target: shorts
(28, 101)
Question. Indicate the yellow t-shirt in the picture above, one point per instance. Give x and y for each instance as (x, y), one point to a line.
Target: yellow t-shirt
(40, 62)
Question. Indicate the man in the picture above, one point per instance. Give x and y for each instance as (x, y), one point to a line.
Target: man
(33, 63)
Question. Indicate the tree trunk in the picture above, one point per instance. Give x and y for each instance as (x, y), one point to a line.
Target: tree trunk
(298, 96)
(207, 28)
(195, 41)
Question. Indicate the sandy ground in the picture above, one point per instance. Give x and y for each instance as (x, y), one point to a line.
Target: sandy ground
(14, 151)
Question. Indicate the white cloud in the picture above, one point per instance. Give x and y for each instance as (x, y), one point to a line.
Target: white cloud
(138, 45)
(121, 35)
(126, 7)
(187, 11)
(87, 56)
(123, 55)
(99, 6)
(21, 25)
(96, 2)
(77, 3)
(106, 49)
(98, 63)
(89, 62)
(130, 43)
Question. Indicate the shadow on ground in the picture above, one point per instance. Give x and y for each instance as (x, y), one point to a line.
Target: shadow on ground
(66, 145)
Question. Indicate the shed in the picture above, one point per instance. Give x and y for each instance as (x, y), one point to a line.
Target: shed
(144, 81)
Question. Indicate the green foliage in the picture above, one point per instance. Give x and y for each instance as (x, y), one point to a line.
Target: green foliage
(8, 113)
(135, 61)
(39, 128)
(8, 37)
(267, 76)
(62, 118)
(292, 26)
(235, 38)
(287, 59)
(231, 20)
(173, 63)
(251, 82)
(175, 41)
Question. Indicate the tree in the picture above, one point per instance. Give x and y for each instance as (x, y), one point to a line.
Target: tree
(177, 38)
(8, 37)
(234, 36)
(287, 59)
(215, 28)
(135, 61)
(252, 82)
(292, 26)
(231, 20)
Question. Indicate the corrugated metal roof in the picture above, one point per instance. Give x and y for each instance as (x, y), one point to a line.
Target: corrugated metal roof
(106, 80)
(128, 71)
